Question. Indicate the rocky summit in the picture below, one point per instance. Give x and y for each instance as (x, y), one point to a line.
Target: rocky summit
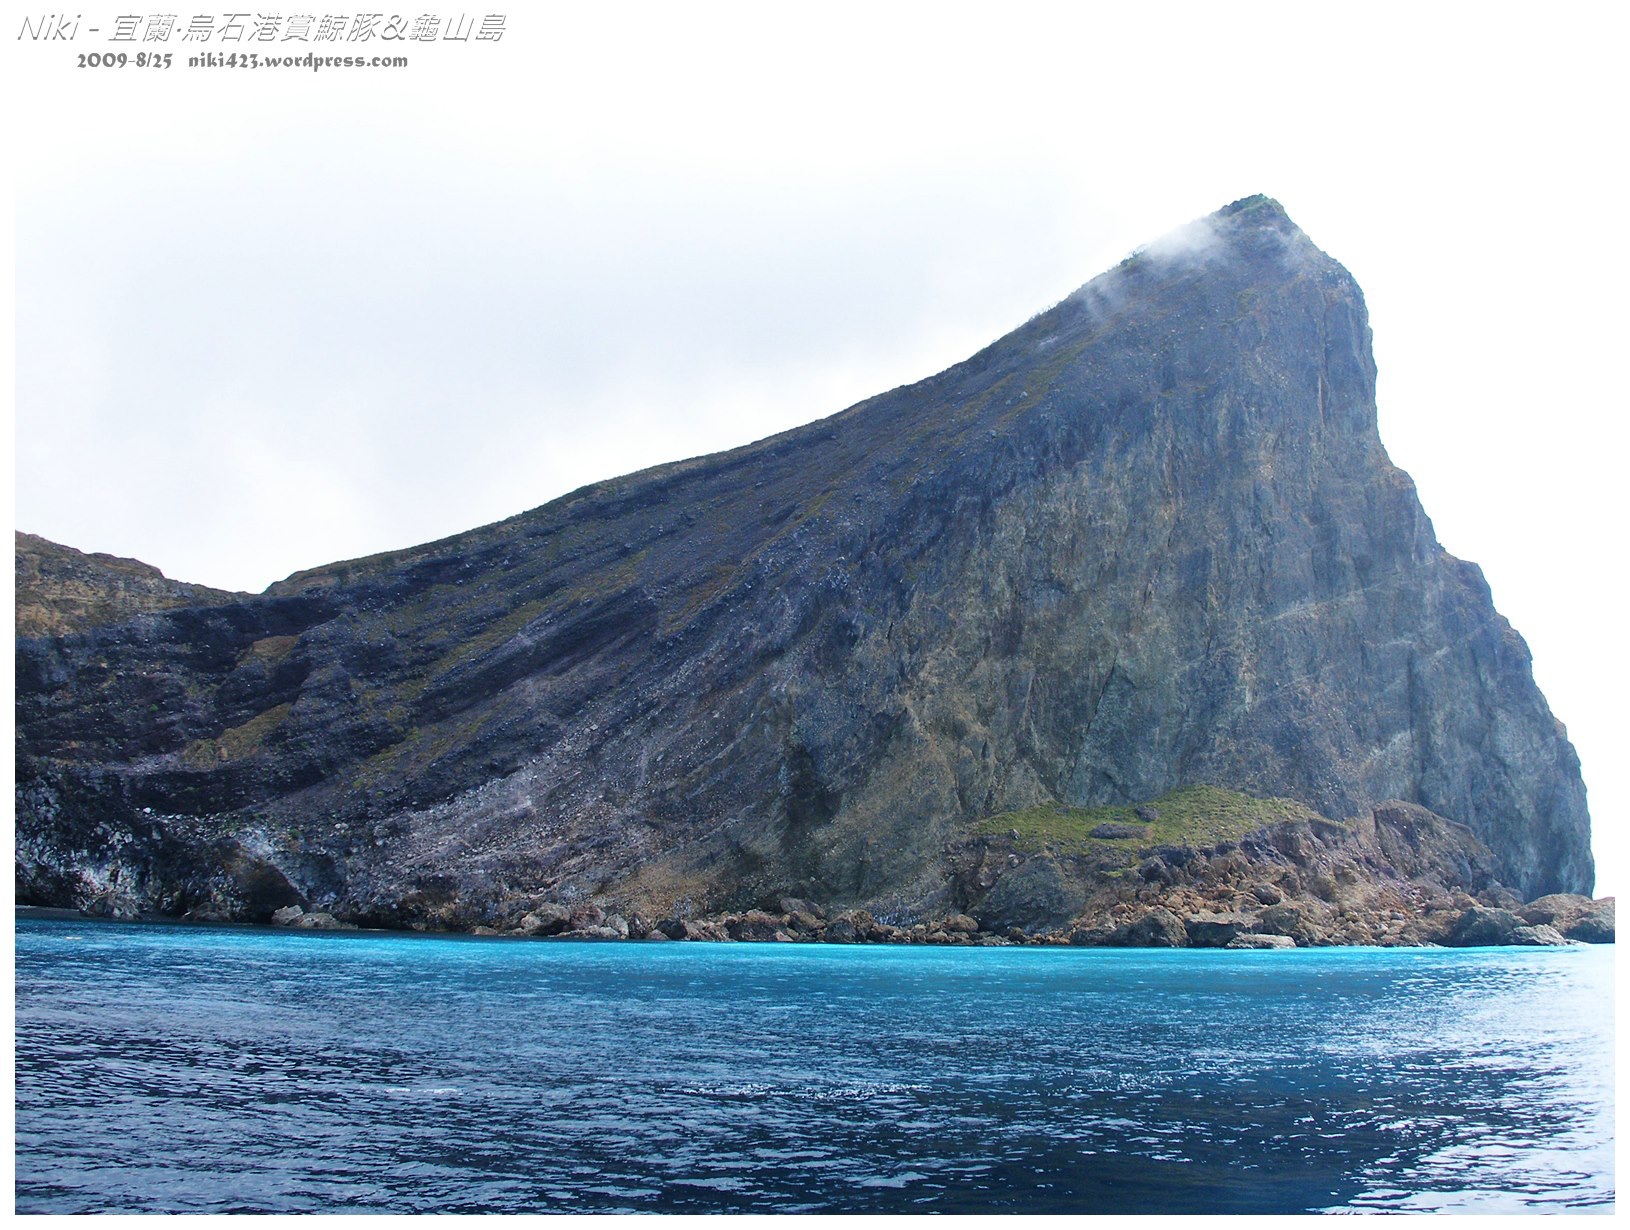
(1124, 629)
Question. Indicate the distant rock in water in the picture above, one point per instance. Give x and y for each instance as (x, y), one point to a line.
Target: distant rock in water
(1148, 542)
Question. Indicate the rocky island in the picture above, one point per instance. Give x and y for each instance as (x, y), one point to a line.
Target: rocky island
(1123, 631)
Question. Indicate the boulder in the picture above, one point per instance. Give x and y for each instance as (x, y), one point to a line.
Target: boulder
(841, 930)
(583, 915)
(547, 919)
(1540, 936)
(1111, 832)
(1260, 941)
(639, 926)
(1267, 894)
(753, 925)
(959, 924)
(1484, 927)
(595, 933)
(1155, 928)
(287, 916)
(852, 927)
(1576, 917)
(798, 905)
(1039, 895)
(1594, 925)
(805, 923)
(1289, 921)
(1156, 870)
(699, 929)
(1499, 897)
(1211, 930)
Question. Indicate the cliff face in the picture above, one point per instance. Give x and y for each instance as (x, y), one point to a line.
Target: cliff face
(1149, 540)
(61, 590)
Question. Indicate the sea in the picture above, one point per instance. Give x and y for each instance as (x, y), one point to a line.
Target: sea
(192, 1069)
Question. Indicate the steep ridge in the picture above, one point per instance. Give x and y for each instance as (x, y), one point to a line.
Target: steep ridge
(61, 590)
(1149, 540)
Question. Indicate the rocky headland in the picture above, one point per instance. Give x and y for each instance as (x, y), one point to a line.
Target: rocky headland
(1125, 630)
(60, 590)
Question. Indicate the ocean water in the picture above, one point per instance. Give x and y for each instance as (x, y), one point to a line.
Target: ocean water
(203, 1070)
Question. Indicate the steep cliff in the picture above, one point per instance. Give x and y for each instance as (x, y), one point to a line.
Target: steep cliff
(61, 590)
(1149, 540)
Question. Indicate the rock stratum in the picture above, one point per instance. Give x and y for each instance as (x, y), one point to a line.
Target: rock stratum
(61, 590)
(1126, 618)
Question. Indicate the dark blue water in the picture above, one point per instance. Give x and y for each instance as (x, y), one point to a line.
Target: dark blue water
(208, 1070)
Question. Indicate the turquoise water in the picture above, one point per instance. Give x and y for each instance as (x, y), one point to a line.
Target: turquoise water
(198, 1070)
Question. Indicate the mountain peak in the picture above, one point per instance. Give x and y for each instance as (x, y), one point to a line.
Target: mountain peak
(1265, 210)
(1146, 542)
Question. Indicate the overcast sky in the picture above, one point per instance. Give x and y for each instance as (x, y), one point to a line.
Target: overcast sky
(271, 318)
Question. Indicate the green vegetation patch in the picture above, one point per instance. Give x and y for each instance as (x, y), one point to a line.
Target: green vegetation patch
(1197, 816)
(235, 741)
(270, 650)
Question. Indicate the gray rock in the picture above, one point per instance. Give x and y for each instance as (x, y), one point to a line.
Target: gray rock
(547, 919)
(321, 921)
(1036, 896)
(753, 925)
(1482, 927)
(584, 915)
(1261, 941)
(1156, 928)
(1212, 930)
(1111, 832)
(1289, 921)
(288, 915)
(1576, 917)
(841, 930)
(595, 932)
(1539, 936)
(1594, 925)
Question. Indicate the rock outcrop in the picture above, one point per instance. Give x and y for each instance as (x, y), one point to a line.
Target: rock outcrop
(61, 590)
(1150, 540)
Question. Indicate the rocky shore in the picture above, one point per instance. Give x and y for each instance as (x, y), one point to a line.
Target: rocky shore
(1455, 921)
(1399, 875)
(1402, 877)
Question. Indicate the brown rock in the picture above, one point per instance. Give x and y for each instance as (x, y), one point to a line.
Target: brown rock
(547, 919)
(1210, 930)
(584, 915)
(753, 925)
(1261, 941)
(1156, 928)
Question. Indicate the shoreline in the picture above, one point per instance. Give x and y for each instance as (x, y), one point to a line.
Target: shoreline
(717, 931)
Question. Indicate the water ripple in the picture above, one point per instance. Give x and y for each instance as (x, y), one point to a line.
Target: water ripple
(241, 1070)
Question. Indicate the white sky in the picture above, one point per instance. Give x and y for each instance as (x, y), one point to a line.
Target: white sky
(270, 318)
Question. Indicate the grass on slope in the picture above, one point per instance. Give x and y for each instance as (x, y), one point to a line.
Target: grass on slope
(1197, 816)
